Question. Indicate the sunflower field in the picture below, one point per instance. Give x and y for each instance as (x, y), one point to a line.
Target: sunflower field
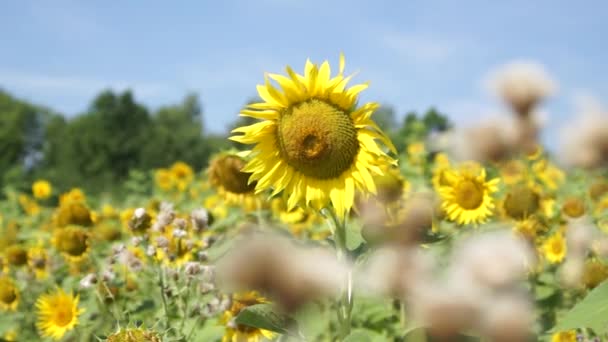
(315, 227)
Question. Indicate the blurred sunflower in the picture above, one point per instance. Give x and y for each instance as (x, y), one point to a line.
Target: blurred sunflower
(134, 335)
(41, 189)
(74, 195)
(163, 179)
(238, 332)
(73, 242)
(225, 174)
(182, 174)
(16, 255)
(564, 336)
(554, 248)
(520, 201)
(37, 259)
(467, 197)
(57, 313)
(314, 143)
(9, 294)
(573, 207)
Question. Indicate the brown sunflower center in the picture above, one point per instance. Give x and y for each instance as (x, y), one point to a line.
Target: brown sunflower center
(574, 207)
(520, 202)
(317, 139)
(8, 293)
(469, 194)
(63, 316)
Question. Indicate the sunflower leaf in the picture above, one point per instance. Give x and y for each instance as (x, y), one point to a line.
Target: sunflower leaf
(264, 316)
(591, 312)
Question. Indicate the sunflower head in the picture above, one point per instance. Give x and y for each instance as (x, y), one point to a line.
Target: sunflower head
(225, 173)
(598, 189)
(573, 207)
(73, 212)
(72, 241)
(16, 255)
(134, 335)
(38, 261)
(240, 332)
(313, 144)
(9, 294)
(467, 197)
(57, 313)
(594, 272)
(554, 248)
(521, 201)
(41, 189)
(163, 179)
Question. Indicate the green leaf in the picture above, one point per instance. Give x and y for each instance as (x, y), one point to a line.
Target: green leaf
(353, 236)
(364, 335)
(591, 312)
(263, 316)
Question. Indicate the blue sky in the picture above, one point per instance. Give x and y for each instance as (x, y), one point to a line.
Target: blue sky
(414, 53)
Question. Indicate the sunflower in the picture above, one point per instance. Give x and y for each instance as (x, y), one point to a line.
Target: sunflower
(41, 189)
(73, 242)
(314, 143)
(564, 336)
(182, 174)
(9, 294)
(163, 179)
(37, 259)
(573, 207)
(134, 335)
(467, 197)
(554, 248)
(238, 332)
(16, 255)
(226, 176)
(521, 201)
(57, 313)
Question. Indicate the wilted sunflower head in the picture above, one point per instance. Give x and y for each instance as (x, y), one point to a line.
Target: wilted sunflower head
(521, 201)
(16, 255)
(225, 173)
(72, 241)
(314, 144)
(9, 294)
(134, 335)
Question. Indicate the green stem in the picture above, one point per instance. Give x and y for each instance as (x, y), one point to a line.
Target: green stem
(345, 304)
(186, 302)
(161, 284)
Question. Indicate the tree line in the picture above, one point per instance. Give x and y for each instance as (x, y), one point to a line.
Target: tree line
(116, 135)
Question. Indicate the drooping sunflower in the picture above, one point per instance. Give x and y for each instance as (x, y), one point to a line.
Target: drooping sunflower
(238, 332)
(467, 195)
(57, 313)
(9, 294)
(225, 175)
(314, 143)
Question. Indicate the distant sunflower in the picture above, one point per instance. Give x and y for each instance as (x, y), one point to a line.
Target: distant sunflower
(57, 313)
(73, 242)
(554, 248)
(238, 332)
(467, 196)
(41, 189)
(314, 143)
(231, 183)
(37, 259)
(9, 294)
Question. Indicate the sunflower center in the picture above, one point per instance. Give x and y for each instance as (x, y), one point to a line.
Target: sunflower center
(16, 255)
(63, 316)
(7, 292)
(317, 139)
(469, 194)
